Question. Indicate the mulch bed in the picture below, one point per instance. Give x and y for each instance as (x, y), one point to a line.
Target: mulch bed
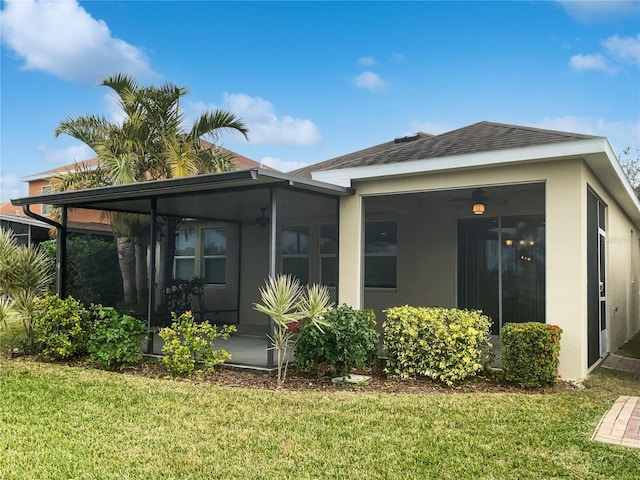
(379, 383)
(301, 381)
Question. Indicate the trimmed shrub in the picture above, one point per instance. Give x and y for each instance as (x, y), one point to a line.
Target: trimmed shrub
(114, 341)
(188, 346)
(530, 353)
(61, 327)
(348, 340)
(447, 345)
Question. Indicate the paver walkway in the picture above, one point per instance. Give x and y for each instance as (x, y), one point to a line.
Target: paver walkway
(621, 424)
(624, 364)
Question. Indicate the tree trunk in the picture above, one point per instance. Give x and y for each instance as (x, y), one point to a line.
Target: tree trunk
(142, 276)
(166, 250)
(126, 260)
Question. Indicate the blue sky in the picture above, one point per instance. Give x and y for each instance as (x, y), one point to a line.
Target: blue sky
(314, 80)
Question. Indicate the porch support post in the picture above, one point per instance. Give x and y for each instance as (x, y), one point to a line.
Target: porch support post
(153, 240)
(566, 263)
(351, 241)
(272, 265)
(61, 254)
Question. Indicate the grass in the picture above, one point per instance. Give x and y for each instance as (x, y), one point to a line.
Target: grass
(631, 348)
(60, 423)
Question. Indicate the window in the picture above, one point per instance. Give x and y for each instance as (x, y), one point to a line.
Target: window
(294, 252)
(206, 245)
(380, 254)
(214, 255)
(328, 257)
(185, 254)
(45, 209)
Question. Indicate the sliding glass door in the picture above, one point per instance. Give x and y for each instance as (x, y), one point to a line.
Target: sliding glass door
(501, 268)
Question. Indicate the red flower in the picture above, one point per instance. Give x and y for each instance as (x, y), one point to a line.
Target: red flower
(294, 327)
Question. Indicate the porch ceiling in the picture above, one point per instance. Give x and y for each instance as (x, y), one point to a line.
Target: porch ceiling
(236, 195)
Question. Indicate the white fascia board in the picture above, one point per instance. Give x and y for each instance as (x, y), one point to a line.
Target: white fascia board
(612, 176)
(24, 221)
(344, 176)
(592, 150)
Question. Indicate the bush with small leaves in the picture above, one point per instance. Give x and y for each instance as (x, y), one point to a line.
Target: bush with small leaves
(530, 353)
(348, 339)
(447, 345)
(189, 346)
(114, 342)
(61, 327)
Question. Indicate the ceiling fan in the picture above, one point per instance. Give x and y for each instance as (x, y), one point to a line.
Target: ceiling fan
(263, 220)
(478, 201)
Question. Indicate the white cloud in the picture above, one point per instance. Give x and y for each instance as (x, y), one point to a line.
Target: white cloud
(621, 134)
(397, 58)
(65, 156)
(61, 38)
(430, 127)
(619, 51)
(112, 109)
(598, 11)
(282, 165)
(264, 126)
(589, 62)
(367, 61)
(625, 49)
(370, 81)
(11, 187)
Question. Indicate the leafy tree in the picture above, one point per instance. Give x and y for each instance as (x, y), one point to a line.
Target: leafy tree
(631, 167)
(150, 143)
(93, 275)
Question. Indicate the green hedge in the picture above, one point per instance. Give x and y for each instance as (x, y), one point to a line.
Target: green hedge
(114, 340)
(61, 327)
(443, 344)
(530, 353)
(348, 340)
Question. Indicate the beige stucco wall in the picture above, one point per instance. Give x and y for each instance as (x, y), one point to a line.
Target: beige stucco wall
(566, 273)
(622, 269)
(294, 209)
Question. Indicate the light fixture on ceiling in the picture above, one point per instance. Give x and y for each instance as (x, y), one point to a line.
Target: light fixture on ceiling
(478, 197)
(263, 220)
(478, 208)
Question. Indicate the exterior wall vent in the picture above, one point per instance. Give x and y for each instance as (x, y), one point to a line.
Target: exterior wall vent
(408, 138)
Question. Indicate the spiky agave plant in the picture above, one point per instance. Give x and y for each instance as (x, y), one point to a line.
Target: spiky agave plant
(25, 274)
(280, 298)
(287, 303)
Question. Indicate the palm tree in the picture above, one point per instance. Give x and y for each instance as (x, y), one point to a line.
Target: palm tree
(149, 144)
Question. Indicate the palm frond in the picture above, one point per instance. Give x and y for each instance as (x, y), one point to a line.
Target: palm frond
(212, 124)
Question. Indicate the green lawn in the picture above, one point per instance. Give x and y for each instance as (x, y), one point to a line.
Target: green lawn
(60, 422)
(631, 348)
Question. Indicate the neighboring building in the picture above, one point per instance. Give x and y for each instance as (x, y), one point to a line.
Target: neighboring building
(27, 230)
(79, 220)
(523, 223)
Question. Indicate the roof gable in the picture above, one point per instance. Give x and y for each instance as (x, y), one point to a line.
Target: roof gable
(479, 137)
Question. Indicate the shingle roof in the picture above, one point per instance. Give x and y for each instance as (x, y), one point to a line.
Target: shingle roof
(241, 162)
(479, 137)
